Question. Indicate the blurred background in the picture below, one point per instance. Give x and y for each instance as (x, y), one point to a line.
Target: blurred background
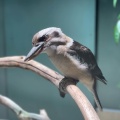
(90, 22)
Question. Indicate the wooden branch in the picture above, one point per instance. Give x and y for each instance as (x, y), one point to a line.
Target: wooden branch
(22, 114)
(80, 99)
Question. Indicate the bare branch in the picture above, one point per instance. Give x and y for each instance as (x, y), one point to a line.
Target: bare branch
(22, 114)
(80, 99)
(83, 103)
(18, 61)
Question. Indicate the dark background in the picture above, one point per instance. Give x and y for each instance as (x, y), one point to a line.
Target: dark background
(90, 22)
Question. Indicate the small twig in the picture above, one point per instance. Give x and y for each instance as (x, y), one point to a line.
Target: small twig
(22, 114)
(82, 102)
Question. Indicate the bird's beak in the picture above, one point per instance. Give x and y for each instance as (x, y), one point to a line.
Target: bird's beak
(34, 51)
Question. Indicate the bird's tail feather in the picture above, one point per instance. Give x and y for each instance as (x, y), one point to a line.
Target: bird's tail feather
(102, 79)
(97, 101)
(95, 95)
(92, 88)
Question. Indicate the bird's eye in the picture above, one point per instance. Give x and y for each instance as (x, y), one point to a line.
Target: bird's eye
(43, 38)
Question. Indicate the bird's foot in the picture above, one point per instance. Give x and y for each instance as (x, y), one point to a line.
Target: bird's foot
(64, 83)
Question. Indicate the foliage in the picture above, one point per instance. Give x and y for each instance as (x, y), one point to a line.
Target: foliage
(117, 26)
(114, 3)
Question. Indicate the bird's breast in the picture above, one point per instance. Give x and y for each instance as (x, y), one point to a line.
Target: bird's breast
(69, 66)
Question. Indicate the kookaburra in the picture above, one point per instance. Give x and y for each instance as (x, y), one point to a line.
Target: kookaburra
(73, 59)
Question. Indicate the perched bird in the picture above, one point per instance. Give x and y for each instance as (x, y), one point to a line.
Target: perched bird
(73, 59)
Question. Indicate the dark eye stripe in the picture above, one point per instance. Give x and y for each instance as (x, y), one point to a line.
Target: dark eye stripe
(56, 34)
(57, 43)
(43, 38)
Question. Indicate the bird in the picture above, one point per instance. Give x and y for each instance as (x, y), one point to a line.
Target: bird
(70, 57)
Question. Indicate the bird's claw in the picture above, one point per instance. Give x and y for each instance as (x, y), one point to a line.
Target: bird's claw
(64, 83)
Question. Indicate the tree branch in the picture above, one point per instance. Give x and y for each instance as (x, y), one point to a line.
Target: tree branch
(54, 77)
(22, 114)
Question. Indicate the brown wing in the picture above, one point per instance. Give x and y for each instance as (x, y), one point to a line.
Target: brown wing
(86, 56)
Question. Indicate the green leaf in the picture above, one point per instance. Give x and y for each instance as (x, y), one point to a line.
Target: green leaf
(118, 26)
(116, 35)
(118, 17)
(117, 32)
(114, 3)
